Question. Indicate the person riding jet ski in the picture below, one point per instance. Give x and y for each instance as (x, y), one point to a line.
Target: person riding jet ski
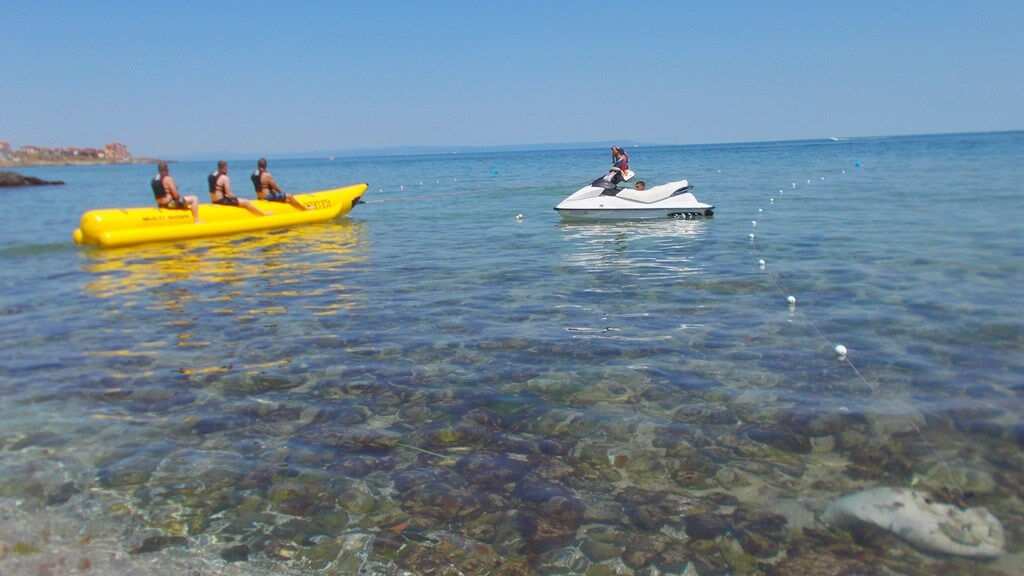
(619, 171)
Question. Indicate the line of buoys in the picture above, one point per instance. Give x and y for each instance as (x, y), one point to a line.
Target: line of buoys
(841, 352)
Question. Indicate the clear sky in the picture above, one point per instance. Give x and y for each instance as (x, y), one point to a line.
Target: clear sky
(187, 78)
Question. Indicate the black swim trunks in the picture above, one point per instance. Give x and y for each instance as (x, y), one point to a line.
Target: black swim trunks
(175, 204)
(225, 201)
(277, 197)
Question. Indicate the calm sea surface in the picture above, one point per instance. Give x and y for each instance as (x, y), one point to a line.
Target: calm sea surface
(431, 385)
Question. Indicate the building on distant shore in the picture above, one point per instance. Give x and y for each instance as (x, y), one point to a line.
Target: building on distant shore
(29, 152)
(115, 152)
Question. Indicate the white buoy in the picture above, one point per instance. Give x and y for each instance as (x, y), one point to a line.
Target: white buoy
(771, 200)
(519, 217)
(791, 300)
(401, 187)
(844, 171)
(822, 178)
(794, 184)
(751, 236)
(761, 263)
(760, 210)
(753, 222)
(840, 350)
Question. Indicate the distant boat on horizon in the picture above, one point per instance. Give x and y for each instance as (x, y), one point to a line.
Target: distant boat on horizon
(837, 138)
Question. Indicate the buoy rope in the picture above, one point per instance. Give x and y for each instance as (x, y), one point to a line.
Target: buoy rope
(874, 389)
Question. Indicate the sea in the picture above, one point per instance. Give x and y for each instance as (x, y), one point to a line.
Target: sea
(450, 379)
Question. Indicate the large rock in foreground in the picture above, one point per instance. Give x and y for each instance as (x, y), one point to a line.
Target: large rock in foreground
(920, 520)
(10, 179)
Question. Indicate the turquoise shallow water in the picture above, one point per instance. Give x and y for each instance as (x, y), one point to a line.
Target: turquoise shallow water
(431, 382)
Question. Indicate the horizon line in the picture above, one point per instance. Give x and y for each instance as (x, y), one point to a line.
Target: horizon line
(427, 149)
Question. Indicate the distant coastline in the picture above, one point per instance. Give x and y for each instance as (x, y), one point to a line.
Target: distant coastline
(29, 155)
(35, 162)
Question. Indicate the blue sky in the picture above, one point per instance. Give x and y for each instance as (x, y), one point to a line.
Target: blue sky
(187, 78)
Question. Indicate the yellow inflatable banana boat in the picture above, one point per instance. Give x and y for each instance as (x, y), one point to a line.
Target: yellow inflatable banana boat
(114, 227)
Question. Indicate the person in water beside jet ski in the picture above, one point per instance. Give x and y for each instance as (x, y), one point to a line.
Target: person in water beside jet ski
(620, 165)
(220, 190)
(267, 188)
(166, 193)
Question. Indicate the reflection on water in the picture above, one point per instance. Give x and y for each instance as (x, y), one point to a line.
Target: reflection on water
(634, 229)
(228, 261)
(656, 249)
(204, 296)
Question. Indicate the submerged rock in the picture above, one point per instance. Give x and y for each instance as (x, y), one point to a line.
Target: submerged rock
(968, 480)
(920, 520)
(706, 526)
(780, 438)
(157, 542)
(236, 553)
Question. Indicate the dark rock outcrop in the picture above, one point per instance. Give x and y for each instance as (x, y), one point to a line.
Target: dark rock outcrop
(10, 179)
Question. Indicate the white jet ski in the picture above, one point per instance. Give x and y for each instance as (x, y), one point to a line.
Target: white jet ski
(604, 199)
